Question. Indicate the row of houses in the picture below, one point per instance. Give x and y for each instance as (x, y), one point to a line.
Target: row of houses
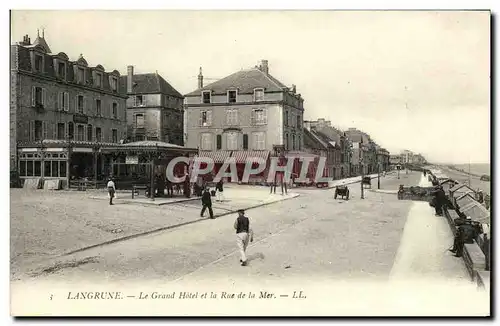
(407, 157)
(75, 105)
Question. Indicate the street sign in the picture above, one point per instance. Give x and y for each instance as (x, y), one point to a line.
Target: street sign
(132, 160)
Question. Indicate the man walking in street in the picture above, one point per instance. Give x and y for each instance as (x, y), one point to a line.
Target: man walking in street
(220, 190)
(244, 233)
(206, 201)
(111, 190)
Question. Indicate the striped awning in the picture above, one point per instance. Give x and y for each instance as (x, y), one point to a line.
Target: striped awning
(217, 156)
(244, 156)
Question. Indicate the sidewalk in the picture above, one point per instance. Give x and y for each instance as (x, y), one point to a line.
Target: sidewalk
(423, 252)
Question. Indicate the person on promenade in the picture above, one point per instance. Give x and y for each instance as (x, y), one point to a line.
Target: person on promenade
(206, 201)
(439, 200)
(111, 190)
(465, 234)
(244, 233)
(219, 187)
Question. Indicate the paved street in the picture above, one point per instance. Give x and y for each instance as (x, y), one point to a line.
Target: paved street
(309, 238)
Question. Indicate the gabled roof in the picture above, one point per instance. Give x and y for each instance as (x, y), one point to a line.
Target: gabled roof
(313, 141)
(149, 84)
(40, 41)
(459, 186)
(245, 81)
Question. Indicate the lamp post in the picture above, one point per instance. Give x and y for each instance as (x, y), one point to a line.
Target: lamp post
(399, 169)
(378, 177)
(362, 176)
(42, 157)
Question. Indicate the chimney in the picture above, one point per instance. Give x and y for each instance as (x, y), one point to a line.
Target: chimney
(294, 89)
(130, 75)
(264, 67)
(200, 79)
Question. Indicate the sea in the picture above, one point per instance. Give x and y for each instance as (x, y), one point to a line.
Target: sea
(475, 168)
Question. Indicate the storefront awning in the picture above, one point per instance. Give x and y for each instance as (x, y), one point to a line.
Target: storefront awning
(216, 156)
(244, 156)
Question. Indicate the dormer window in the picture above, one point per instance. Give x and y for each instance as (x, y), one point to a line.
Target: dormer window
(258, 94)
(61, 69)
(231, 96)
(38, 63)
(207, 96)
(98, 80)
(80, 75)
(113, 82)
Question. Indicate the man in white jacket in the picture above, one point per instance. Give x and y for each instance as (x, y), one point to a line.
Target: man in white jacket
(111, 190)
(243, 233)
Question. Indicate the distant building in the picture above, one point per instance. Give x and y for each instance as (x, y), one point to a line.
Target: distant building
(249, 112)
(154, 108)
(331, 150)
(59, 110)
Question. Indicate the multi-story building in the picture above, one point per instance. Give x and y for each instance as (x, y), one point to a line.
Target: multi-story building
(59, 110)
(154, 108)
(368, 150)
(325, 129)
(247, 112)
(383, 158)
(330, 149)
(395, 159)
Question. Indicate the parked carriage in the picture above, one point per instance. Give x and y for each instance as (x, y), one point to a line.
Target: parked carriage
(366, 181)
(342, 191)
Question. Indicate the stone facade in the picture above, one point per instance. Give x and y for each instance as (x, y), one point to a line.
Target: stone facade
(55, 98)
(249, 110)
(154, 108)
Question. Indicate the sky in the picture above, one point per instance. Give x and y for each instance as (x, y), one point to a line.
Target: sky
(412, 80)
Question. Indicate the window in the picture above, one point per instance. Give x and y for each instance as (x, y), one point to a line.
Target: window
(71, 130)
(46, 168)
(63, 101)
(139, 100)
(231, 96)
(293, 142)
(299, 143)
(38, 63)
(205, 118)
(286, 118)
(61, 69)
(207, 96)
(61, 131)
(80, 75)
(38, 130)
(287, 143)
(98, 134)
(89, 132)
(98, 109)
(115, 110)
(259, 116)
(79, 133)
(113, 83)
(245, 141)
(38, 96)
(298, 125)
(139, 138)
(206, 141)
(55, 169)
(62, 169)
(98, 80)
(219, 141)
(232, 141)
(292, 122)
(38, 168)
(139, 120)
(114, 136)
(29, 168)
(258, 94)
(232, 117)
(259, 141)
(79, 104)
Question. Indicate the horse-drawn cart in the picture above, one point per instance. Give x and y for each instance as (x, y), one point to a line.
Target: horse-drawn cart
(366, 181)
(342, 191)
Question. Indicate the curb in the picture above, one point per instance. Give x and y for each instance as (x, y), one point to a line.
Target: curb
(131, 201)
(132, 236)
